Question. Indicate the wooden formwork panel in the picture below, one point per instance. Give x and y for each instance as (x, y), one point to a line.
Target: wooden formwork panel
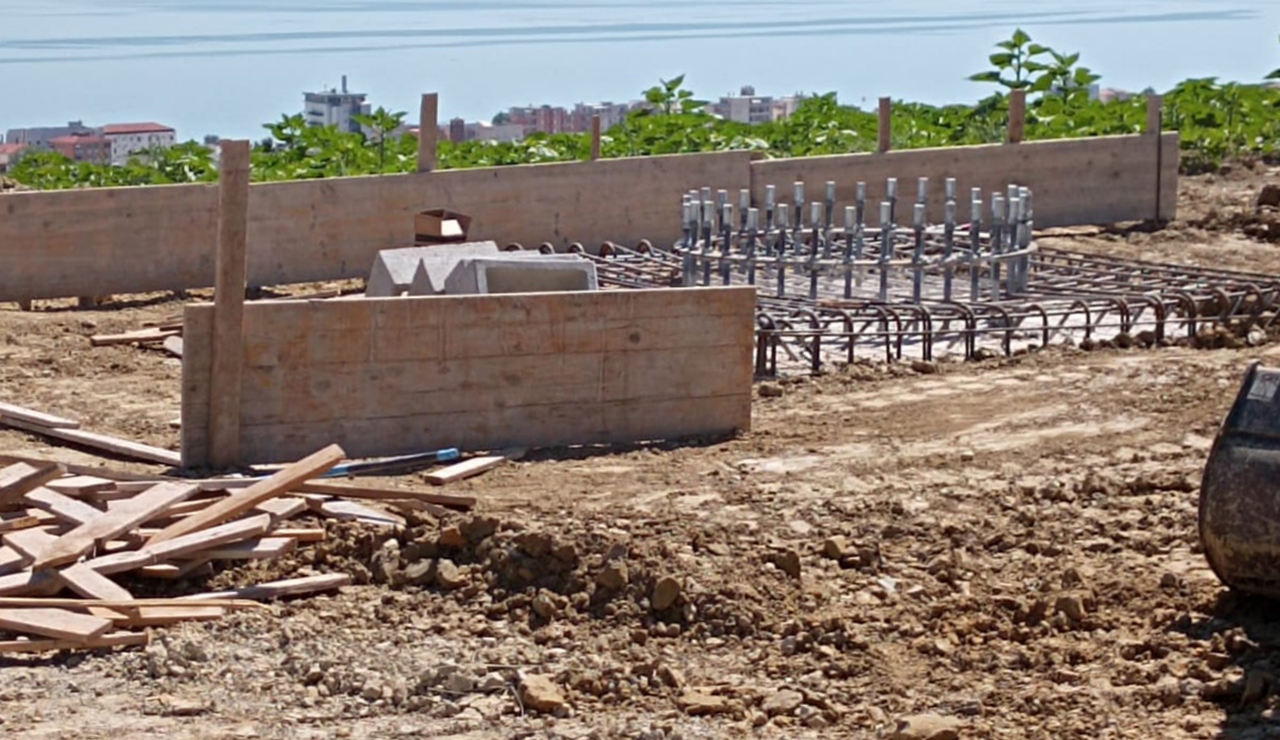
(402, 375)
(1099, 180)
(132, 240)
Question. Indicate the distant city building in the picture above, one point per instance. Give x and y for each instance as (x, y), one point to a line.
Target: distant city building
(130, 139)
(460, 130)
(611, 114)
(9, 155)
(541, 119)
(335, 108)
(39, 137)
(747, 107)
(84, 147)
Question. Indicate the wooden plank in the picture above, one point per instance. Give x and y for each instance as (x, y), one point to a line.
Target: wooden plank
(130, 514)
(65, 508)
(886, 125)
(10, 411)
(450, 500)
(104, 442)
(260, 549)
(1017, 115)
(30, 543)
(228, 307)
(241, 501)
(282, 508)
(595, 137)
(465, 469)
(14, 521)
(195, 542)
(159, 616)
(90, 470)
(110, 640)
(56, 623)
(119, 562)
(275, 589)
(22, 602)
(18, 479)
(308, 534)
(428, 131)
(87, 582)
(79, 486)
(29, 583)
(174, 571)
(142, 336)
(11, 561)
(352, 511)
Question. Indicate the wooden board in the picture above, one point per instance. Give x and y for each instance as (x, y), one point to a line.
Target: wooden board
(261, 549)
(464, 469)
(353, 511)
(483, 372)
(228, 309)
(36, 417)
(110, 640)
(142, 239)
(18, 479)
(131, 513)
(450, 500)
(63, 507)
(90, 584)
(30, 543)
(142, 336)
(159, 616)
(122, 447)
(1098, 180)
(11, 561)
(57, 623)
(79, 486)
(276, 589)
(241, 501)
(195, 542)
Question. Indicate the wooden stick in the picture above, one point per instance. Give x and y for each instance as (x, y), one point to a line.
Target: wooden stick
(1155, 112)
(91, 584)
(159, 616)
(19, 602)
(130, 514)
(886, 124)
(195, 542)
(388, 494)
(241, 501)
(56, 623)
(141, 336)
(37, 417)
(119, 446)
(114, 639)
(228, 305)
(99, 471)
(468, 468)
(1017, 115)
(20, 479)
(290, 587)
(64, 507)
(428, 131)
(266, 548)
(595, 137)
(352, 511)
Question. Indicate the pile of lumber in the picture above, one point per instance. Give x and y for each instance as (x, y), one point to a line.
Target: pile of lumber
(67, 531)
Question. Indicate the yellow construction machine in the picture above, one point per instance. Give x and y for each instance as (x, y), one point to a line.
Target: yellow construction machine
(1240, 492)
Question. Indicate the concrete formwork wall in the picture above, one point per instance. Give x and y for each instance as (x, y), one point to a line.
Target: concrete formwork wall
(402, 375)
(1074, 181)
(133, 240)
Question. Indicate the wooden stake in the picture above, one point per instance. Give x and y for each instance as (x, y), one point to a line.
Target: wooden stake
(428, 132)
(1155, 112)
(886, 124)
(37, 417)
(1017, 115)
(228, 305)
(595, 137)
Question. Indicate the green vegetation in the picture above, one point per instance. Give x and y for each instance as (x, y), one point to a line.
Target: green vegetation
(1219, 121)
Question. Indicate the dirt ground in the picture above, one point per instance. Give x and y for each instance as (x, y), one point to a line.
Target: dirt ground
(1008, 548)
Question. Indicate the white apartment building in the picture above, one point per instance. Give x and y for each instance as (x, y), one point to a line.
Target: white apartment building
(335, 107)
(128, 139)
(746, 107)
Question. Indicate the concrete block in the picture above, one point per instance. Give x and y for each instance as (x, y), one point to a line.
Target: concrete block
(394, 269)
(434, 269)
(549, 274)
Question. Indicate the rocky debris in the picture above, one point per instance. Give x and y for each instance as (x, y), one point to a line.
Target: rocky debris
(837, 547)
(665, 592)
(927, 727)
(785, 701)
(1268, 197)
(788, 562)
(541, 694)
(924, 367)
(614, 576)
(449, 576)
(698, 704)
(771, 390)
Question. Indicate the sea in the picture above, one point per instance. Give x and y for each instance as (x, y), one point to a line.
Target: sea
(226, 67)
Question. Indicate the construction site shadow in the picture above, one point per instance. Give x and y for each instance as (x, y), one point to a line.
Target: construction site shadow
(1243, 632)
(587, 452)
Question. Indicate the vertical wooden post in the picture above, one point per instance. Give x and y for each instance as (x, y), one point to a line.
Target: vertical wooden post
(595, 137)
(1017, 115)
(1155, 113)
(428, 132)
(886, 124)
(228, 305)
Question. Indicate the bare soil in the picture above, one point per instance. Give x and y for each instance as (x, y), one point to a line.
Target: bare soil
(1009, 545)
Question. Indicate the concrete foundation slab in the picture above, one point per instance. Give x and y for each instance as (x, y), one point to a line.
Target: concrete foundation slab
(394, 269)
(551, 274)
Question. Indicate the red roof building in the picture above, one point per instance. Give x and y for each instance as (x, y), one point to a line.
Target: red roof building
(83, 148)
(8, 153)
